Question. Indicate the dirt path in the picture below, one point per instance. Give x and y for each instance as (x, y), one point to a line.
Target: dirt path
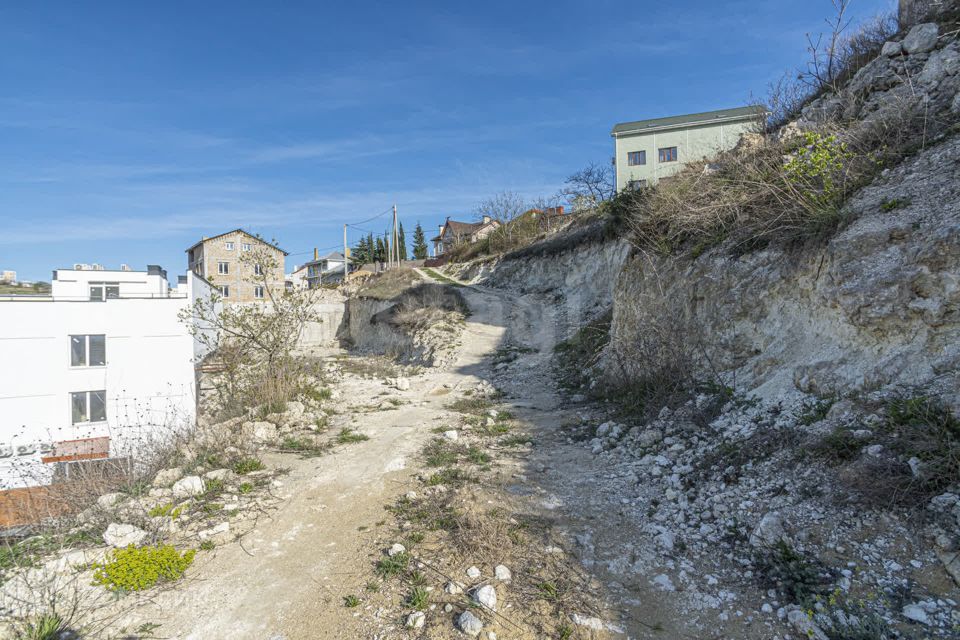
(286, 579)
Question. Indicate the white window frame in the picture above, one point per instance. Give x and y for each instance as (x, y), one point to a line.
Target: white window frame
(229, 246)
(223, 268)
(258, 292)
(258, 269)
(86, 407)
(224, 291)
(245, 246)
(86, 350)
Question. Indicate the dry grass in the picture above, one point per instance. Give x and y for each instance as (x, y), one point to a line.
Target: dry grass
(389, 284)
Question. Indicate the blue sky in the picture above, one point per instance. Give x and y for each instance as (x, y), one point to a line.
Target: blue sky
(129, 129)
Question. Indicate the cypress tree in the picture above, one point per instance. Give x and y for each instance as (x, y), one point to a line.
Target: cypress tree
(420, 251)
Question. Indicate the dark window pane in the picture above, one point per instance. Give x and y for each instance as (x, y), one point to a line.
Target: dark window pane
(96, 293)
(113, 291)
(78, 351)
(98, 406)
(98, 351)
(78, 406)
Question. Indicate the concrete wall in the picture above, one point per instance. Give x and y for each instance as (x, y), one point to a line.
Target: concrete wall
(149, 380)
(694, 144)
(71, 284)
(326, 332)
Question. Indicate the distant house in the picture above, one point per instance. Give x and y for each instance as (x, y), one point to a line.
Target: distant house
(219, 260)
(318, 271)
(453, 233)
(647, 151)
(8, 277)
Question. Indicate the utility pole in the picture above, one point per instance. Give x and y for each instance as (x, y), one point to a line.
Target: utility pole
(346, 260)
(396, 249)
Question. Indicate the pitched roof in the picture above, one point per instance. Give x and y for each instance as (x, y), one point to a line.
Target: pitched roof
(707, 117)
(461, 228)
(238, 230)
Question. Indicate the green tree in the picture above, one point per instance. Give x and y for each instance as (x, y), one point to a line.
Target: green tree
(420, 251)
(380, 252)
(402, 243)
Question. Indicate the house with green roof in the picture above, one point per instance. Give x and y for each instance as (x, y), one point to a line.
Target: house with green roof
(646, 151)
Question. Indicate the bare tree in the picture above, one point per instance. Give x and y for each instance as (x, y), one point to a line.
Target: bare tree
(254, 342)
(504, 208)
(590, 186)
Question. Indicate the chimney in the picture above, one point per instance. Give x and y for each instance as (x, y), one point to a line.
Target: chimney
(316, 256)
(441, 229)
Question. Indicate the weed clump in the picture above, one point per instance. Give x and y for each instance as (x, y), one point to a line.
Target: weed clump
(799, 580)
(247, 465)
(139, 568)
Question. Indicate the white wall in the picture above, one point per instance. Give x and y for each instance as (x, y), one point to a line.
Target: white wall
(75, 285)
(149, 376)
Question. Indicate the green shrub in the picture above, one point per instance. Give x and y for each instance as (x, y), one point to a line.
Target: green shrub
(351, 601)
(440, 453)
(799, 580)
(245, 488)
(475, 406)
(247, 465)
(815, 412)
(393, 565)
(840, 445)
(419, 598)
(163, 510)
(317, 394)
(347, 436)
(139, 568)
(47, 626)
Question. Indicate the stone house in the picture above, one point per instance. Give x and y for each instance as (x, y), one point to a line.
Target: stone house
(220, 259)
(453, 233)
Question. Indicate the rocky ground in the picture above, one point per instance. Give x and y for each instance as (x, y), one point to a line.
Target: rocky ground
(480, 500)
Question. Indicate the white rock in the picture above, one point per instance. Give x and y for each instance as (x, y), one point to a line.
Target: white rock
(493, 413)
(473, 573)
(402, 384)
(410, 495)
(891, 49)
(916, 613)
(219, 474)
(453, 588)
(188, 487)
(451, 435)
(166, 477)
(110, 500)
(769, 531)
(263, 432)
(875, 450)
(502, 573)
(486, 596)
(396, 549)
(219, 534)
(469, 624)
(416, 620)
(664, 582)
(586, 621)
(123, 535)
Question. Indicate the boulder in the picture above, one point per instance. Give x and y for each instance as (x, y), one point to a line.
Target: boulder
(769, 531)
(166, 477)
(123, 535)
(263, 432)
(469, 624)
(188, 487)
(922, 38)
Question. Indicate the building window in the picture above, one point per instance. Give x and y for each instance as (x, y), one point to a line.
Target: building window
(636, 185)
(257, 270)
(104, 290)
(245, 246)
(258, 292)
(88, 351)
(223, 268)
(229, 246)
(668, 154)
(225, 291)
(635, 158)
(88, 406)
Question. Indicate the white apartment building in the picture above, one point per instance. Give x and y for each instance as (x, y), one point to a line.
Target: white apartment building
(100, 369)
